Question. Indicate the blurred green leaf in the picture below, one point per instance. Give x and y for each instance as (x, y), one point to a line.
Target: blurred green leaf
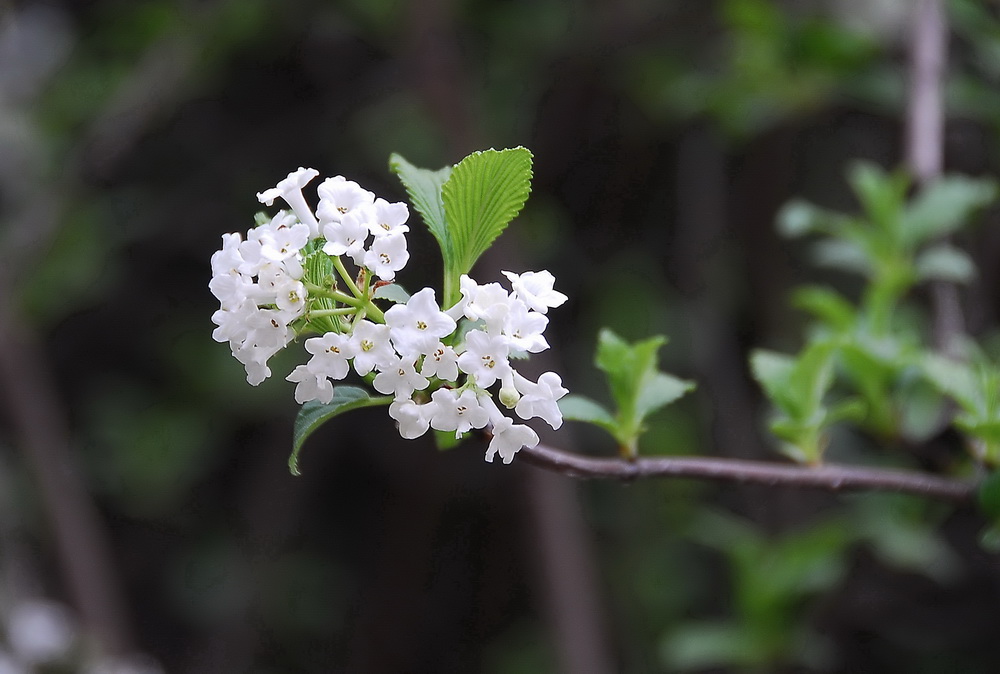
(945, 263)
(828, 305)
(580, 408)
(423, 187)
(945, 206)
(392, 292)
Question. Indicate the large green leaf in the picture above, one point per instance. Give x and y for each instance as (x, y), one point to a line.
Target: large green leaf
(423, 186)
(314, 414)
(485, 191)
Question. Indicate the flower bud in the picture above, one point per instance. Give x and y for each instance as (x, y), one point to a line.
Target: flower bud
(509, 396)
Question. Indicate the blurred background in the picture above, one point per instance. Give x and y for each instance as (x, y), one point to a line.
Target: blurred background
(148, 522)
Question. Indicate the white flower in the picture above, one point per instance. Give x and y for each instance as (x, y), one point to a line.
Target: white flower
(290, 189)
(485, 357)
(442, 363)
(331, 354)
(283, 242)
(535, 288)
(338, 197)
(413, 419)
(539, 400)
(387, 255)
(311, 385)
(347, 236)
(457, 412)
(234, 322)
(387, 218)
(231, 289)
(400, 379)
(418, 326)
(508, 439)
(488, 303)
(524, 328)
(228, 259)
(372, 347)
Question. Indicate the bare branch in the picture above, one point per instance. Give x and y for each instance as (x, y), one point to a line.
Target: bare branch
(828, 477)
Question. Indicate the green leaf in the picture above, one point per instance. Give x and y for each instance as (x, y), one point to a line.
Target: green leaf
(660, 390)
(772, 371)
(393, 293)
(945, 263)
(844, 255)
(945, 206)
(799, 217)
(954, 379)
(314, 414)
(882, 194)
(485, 191)
(580, 408)
(637, 385)
(423, 187)
(828, 305)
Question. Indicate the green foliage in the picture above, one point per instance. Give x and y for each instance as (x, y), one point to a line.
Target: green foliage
(894, 244)
(637, 386)
(468, 206)
(797, 386)
(975, 388)
(314, 414)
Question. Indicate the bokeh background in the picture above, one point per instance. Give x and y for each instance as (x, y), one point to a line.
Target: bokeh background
(145, 502)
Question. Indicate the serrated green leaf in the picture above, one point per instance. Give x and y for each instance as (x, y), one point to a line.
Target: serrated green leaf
(423, 186)
(314, 414)
(945, 263)
(945, 206)
(485, 191)
(580, 408)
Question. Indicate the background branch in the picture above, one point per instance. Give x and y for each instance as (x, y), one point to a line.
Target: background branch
(828, 477)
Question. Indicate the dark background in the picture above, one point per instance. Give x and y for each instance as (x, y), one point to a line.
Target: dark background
(666, 136)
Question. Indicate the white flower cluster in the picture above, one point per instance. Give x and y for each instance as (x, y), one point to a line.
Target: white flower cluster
(438, 373)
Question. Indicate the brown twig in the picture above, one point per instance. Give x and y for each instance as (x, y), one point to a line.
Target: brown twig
(829, 477)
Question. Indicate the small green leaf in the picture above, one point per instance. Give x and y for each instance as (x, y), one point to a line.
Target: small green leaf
(844, 255)
(485, 191)
(827, 305)
(882, 194)
(945, 206)
(954, 379)
(772, 371)
(423, 186)
(580, 408)
(660, 390)
(799, 217)
(637, 386)
(393, 293)
(314, 414)
(945, 263)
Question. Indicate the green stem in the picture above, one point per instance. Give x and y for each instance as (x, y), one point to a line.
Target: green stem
(343, 311)
(338, 264)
